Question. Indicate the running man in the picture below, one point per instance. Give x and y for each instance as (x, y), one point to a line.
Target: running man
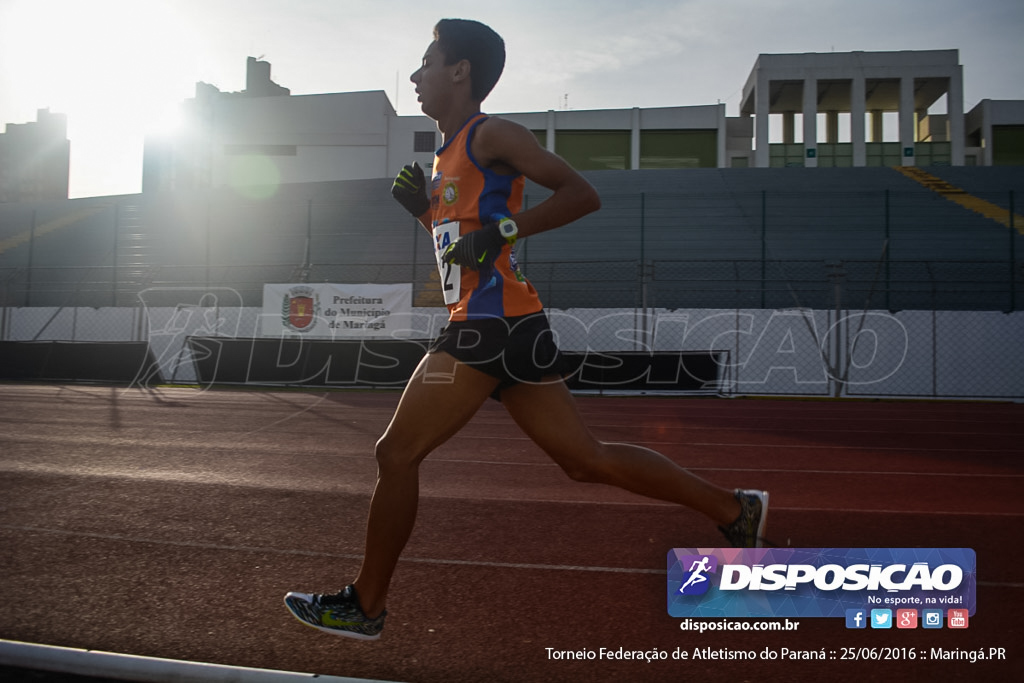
(497, 342)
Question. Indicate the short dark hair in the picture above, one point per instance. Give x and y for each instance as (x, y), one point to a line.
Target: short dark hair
(460, 39)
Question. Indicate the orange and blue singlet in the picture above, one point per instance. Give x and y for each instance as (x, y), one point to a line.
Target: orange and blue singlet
(464, 197)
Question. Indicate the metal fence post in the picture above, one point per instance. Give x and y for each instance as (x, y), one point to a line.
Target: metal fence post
(1013, 259)
(4, 311)
(209, 204)
(935, 332)
(307, 265)
(935, 353)
(643, 273)
(888, 256)
(838, 368)
(764, 247)
(113, 274)
(31, 256)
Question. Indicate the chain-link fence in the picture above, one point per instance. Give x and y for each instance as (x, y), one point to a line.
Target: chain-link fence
(825, 293)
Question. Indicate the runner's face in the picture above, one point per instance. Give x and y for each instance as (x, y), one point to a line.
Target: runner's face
(433, 80)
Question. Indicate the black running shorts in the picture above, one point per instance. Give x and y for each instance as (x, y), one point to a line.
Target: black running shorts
(513, 350)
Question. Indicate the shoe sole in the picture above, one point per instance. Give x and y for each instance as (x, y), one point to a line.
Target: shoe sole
(303, 597)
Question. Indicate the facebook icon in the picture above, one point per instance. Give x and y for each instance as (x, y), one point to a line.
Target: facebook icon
(856, 618)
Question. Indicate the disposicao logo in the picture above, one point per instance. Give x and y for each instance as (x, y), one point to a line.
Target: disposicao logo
(817, 582)
(696, 580)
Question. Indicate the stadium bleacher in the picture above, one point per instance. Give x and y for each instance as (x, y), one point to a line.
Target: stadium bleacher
(716, 238)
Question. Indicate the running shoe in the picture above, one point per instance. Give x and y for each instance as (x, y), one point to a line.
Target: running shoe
(338, 613)
(748, 529)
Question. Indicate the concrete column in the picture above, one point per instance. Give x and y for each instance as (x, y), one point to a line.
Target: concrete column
(986, 133)
(761, 107)
(810, 122)
(858, 95)
(955, 109)
(551, 131)
(634, 143)
(876, 125)
(723, 136)
(908, 132)
(832, 127)
(919, 116)
(788, 133)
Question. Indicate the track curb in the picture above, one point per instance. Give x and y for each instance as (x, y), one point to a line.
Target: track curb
(124, 667)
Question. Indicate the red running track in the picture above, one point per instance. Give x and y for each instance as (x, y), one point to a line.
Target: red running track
(170, 524)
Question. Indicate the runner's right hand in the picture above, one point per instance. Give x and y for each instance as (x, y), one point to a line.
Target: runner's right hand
(410, 190)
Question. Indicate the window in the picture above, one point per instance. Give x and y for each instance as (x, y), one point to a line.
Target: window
(932, 154)
(786, 155)
(423, 141)
(883, 154)
(1007, 145)
(839, 154)
(678, 149)
(594, 150)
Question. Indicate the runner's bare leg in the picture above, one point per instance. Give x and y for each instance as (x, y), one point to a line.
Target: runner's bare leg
(438, 401)
(547, 413)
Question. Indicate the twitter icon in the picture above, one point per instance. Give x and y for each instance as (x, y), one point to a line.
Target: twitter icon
(881, 618)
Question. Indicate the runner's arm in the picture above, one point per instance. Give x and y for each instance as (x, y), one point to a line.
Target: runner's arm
(508, 147)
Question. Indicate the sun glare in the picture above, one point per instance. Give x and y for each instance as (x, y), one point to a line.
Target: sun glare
(117, 68)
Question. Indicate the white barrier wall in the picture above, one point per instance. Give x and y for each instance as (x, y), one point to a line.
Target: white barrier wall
(947, 354)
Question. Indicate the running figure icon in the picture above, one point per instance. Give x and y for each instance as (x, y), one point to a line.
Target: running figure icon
(696, 570)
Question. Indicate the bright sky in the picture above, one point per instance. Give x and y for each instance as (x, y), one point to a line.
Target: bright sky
(119, 68)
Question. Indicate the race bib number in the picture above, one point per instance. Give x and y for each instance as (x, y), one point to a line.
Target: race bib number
(451, 275)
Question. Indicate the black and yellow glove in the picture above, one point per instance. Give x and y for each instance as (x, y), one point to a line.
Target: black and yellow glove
(476, 249)
(410, 190)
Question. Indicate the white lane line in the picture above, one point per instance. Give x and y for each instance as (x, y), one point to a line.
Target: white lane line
(352, 556)
(206, 478)
(881, 473)
(467, 434)
(287, 417)
(316, 553)
(223, 478)
(658, 504)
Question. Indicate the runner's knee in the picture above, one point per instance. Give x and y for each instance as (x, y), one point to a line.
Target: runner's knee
(393, 455)
(588, 467)
(580, 472)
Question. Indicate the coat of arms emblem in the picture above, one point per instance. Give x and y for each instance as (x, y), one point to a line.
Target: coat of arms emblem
(300, 308)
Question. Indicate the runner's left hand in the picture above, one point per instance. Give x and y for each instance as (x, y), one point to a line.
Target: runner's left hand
(473, 250)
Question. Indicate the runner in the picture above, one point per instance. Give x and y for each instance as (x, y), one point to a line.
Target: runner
(497, 343)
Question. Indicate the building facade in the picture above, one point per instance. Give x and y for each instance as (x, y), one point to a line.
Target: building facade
(863, 86)
(35, 159)
(264, 136)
